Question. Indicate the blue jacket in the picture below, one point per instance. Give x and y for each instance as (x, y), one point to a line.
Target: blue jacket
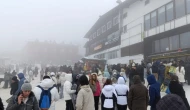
(154, 91)
(21, 82)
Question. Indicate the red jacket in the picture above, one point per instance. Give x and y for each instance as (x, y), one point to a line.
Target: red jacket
(98, 89)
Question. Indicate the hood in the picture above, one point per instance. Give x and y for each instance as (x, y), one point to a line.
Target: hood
(68, 77)
(86, 88)
(108, 87)
(20, 75)
(151, 79)
(137, 79)
(121, 80)
(46, 83)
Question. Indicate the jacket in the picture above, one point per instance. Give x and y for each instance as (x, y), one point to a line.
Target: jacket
(106, 73)
(1, 105)
(54, 80)
(98, 89)
(85, 99)
(67, 87)
(154, 91)
(14, 88)
(181, 74)
(155, 67)
(108, 97)
(138, 96)
(46, 84)
(176, 88)
(122, 91)
(161, 70)
(21, 82)
(31, 104)
(62, 78)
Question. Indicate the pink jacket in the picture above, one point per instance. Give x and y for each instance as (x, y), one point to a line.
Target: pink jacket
(98, 89)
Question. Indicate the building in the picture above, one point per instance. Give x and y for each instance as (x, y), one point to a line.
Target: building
(145, 29)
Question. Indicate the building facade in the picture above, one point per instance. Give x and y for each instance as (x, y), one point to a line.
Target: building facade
(145, 29)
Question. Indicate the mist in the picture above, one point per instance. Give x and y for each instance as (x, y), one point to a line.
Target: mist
(48, 20)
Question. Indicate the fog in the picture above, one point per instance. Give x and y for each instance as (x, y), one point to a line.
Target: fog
(48, 20)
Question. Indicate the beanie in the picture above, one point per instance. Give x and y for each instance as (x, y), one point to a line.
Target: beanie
(26, 86)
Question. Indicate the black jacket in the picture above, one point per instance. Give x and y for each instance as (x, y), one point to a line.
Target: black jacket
(176, 88)
(14, 88)
(1, 105)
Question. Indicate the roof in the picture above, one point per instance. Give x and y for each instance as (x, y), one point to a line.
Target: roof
(109, 15)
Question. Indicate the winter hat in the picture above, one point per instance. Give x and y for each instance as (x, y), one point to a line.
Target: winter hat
(20, 75)
(14, 78)
(26, 86)
(171, 102)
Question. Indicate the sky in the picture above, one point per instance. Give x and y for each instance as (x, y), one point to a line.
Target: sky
(51, 20)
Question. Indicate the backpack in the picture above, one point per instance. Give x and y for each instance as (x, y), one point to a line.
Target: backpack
(45, 98)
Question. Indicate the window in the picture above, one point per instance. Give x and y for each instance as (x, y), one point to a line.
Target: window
(157, 46)
(103, 29)
(188, 6)
(98, 32)
(179, 8)
(164, 44)
(125, 29)
(170, 11)
(161, 15)
(184, 40)
(174, 42)
(115, 20)
(153, 19)
(147, 22)
(125, 15)
(94, 35)
(109, 25)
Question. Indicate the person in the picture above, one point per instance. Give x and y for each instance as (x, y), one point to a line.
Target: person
(122, 92)
(14, 73)
(132, 74)
(52, 74)
(6, 79)
(14, 85)
(155, 69)
(31, 75)
(62, 78)
(140, 71)
(171, 102)
(161, 72)
(176, 88)
(122, 74)
(24, 100)
(180, 72)
(36, 71)
(114, 81)
(58, 78)
(1, 105)
(41, 74)
(21, 82)
(85, 96)
(95, 86)
(106, 73)
(138, 95)
(108, 96)
(46, 85)
(154, 91)
(187, 71)
(67, 92)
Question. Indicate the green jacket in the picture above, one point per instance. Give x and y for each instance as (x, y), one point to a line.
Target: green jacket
(31, 104)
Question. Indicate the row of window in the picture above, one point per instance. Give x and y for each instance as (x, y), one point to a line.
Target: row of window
(172, 43)
(110, 55)
(166, 13)
(104, 28)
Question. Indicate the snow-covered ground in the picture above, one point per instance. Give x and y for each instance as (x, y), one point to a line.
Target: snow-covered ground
(60, 105)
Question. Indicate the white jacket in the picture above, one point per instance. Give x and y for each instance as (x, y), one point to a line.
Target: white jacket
(121, 89)
(108, 91)
(46, 84)
(67, 87)
(62, 78)
(181, 74)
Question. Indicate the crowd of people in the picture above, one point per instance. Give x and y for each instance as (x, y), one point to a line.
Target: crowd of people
(105, 90)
